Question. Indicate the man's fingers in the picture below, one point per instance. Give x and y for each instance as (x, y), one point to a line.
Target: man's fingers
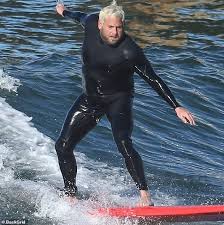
(192, 119)
(60, 8)
(188, 119)
(184, 119)
(185, 115)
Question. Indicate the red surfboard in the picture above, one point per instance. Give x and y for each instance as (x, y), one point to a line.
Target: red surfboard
(169, 213)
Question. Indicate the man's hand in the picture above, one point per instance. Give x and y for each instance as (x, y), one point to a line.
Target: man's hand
(185, 115)
(60, 9)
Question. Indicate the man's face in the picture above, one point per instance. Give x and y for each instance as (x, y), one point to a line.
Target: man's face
(111, 30)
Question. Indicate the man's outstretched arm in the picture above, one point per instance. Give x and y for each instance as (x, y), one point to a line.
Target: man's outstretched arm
(145, 70)
(78, 17)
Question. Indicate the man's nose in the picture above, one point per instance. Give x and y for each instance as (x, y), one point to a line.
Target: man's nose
(114, 31)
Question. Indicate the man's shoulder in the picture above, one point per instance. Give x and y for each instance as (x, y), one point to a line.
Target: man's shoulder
(131, 46)
(92, 19)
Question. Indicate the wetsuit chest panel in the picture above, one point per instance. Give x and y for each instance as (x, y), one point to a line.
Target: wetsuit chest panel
(105, 58)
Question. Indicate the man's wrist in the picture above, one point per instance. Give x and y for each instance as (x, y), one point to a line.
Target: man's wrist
(177, 106)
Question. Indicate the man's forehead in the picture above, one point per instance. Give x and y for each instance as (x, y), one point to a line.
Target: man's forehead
(111, 18)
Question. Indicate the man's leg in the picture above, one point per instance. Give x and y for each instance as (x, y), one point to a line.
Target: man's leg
(81, 118)
(120, 117)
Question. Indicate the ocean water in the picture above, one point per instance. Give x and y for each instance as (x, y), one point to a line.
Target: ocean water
(40, 77)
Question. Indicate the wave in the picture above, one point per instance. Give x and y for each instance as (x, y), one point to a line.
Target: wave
(29, 177)
(7, 82)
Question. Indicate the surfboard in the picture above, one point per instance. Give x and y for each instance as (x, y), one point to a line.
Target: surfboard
(168, 213)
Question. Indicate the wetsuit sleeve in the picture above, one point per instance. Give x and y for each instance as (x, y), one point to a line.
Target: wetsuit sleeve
(78, 17)
(144, 69)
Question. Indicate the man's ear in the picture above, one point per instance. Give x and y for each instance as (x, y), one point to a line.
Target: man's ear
(100, 24)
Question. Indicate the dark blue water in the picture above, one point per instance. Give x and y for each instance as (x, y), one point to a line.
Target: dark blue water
(40, 77)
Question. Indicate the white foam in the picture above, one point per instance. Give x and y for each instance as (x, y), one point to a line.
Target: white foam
(24, 150)
(7, 82)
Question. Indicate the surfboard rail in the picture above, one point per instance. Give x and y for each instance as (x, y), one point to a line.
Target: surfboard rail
(178, 213)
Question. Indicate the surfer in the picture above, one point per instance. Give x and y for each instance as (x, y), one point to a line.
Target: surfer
(110, 58)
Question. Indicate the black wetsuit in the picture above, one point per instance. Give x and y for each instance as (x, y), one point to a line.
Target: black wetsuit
(108, 88)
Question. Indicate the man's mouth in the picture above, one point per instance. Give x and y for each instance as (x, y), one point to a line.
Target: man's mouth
(114, 37)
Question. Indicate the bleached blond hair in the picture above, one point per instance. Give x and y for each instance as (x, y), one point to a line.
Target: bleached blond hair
(112, 10)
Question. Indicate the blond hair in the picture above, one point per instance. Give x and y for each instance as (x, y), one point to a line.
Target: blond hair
(112, 10)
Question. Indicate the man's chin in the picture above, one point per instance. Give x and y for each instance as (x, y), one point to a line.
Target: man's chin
(112, 41)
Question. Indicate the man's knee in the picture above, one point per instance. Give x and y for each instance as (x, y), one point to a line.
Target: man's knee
(63, 147)
(121, 135)
(124, 144)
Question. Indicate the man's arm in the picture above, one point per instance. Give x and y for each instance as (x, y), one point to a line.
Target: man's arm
(145, 70)
(78, 17)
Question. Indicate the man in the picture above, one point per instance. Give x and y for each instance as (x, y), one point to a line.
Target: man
(110, 58)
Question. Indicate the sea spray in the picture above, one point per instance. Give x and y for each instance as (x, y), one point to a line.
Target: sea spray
(7, 82)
